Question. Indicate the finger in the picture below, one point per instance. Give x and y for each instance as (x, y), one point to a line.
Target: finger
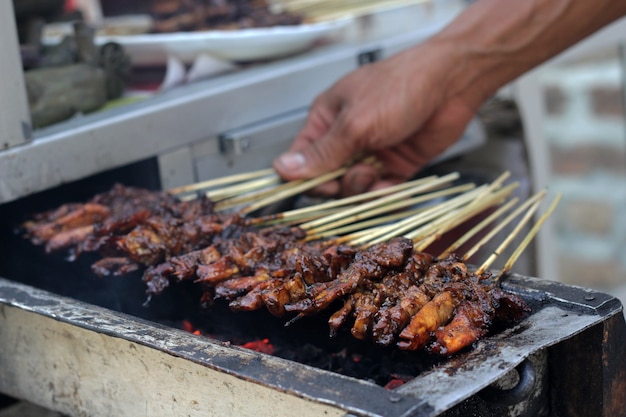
(328, 189)
(359, 179)
(317, 124)
(325, 154)
(320, 118)
(385, 183)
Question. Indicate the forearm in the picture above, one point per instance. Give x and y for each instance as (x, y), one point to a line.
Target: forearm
(494, 41)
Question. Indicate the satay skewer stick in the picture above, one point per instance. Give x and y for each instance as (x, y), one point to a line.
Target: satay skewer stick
(429, 233)
(318, 224)
(493, 186)
(480, 226)
(233, 190)
(299, 188)
(342, 201)
(501, 225)
(529, 237)
(331, 9)
(317, 232)
(359, 228)
(306, 217)
(464, 213)
(354, 235)
(222, 181)
(240, 200)
(527, 216)
(456, 215)
(285, 190)
(410, 223)
(319, 15)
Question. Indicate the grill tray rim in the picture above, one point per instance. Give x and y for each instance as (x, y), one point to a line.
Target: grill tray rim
(562, 311)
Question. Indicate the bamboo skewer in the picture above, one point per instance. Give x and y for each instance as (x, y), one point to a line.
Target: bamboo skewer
(234, 193)
(293, 188)
(529, 237)
(318, 225)
(305, 217)
(355, 235)
(314, 234)
(341, 202)
(329, 15)
(233, 190)
(222, 181)
(503, 223)
(332, 9)
(434, 231)
(497, 183)
(480, 226)
(364, 226)
(240, 200)
(297, 189)
(527, 216)
(412, 222)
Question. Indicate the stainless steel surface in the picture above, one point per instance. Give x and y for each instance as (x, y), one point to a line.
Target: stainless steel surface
(102, 141)
(250, 138)
(192, 114)
(245, 148)
(15, 126)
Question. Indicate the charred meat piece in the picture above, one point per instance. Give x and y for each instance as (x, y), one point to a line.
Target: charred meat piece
(397, 312)
(69, 238)
(236, 287)
(103, 221)
(339, 317)
(194, 15)
(370, 264)
(114, 266)
(286, 292)
(469, 324)
(366, 306)
(435, 313)
(80, 216)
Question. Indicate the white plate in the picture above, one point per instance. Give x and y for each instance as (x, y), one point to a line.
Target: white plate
(236, 45)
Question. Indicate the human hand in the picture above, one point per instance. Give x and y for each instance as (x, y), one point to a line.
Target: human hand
(401, 110)
(409, 108)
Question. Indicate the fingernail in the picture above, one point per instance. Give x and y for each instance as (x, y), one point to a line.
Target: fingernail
(292, 161)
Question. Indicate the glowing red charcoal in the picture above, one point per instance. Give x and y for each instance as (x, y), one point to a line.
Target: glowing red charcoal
(262, 345)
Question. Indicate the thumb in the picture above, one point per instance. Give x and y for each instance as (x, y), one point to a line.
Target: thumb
(318, 157)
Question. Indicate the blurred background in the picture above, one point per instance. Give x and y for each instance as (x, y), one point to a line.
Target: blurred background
(584, 125)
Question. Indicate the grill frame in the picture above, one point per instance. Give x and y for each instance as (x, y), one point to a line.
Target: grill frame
(78, 339)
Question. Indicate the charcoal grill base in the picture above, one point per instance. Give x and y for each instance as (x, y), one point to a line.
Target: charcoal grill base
(96, 356)
(81, 359)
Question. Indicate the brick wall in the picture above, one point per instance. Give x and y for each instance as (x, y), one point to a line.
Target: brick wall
(586, 131)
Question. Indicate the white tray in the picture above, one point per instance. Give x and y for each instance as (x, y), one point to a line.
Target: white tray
(236, 45)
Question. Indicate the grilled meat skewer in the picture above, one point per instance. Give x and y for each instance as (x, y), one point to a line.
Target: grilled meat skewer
(387, 293)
